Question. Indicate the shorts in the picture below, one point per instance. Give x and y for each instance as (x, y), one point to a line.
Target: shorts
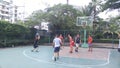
(118, 49)
(90, 44)
(71, 45)
(56, 49)
(77, 44)
(35, 44)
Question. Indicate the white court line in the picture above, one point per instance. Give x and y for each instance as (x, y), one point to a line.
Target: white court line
(108, 61)
(43, 61)
(65, 64)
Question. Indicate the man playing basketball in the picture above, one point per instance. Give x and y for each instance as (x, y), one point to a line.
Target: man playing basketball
(56, 43)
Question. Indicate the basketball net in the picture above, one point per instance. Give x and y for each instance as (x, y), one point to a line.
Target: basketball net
(84, 25)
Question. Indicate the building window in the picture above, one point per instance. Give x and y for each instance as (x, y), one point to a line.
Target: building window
(7, 12)
(3, 7)
(15, 11)
(15, 15)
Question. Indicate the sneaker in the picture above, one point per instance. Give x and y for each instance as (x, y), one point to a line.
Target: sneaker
(57, 57)
(31, 50)
(71, 52)
(76, 50)
(54, 58)
(37, 51)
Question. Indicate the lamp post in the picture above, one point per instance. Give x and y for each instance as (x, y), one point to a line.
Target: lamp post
(67, 2)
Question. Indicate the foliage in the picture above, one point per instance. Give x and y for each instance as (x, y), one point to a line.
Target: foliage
(106, 41)
(63, 17)
(60, 17)
(10, 32)
(111, 4)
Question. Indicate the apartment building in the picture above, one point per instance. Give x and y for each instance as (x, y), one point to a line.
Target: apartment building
(8, 11)
(4, 10)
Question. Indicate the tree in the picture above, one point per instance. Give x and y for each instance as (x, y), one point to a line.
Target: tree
(111, 4)
(60, 17)
(35, 18)
(12, 30)
(96, 6)
(113, 26)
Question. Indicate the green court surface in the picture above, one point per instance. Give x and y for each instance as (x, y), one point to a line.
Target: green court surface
(22, 57)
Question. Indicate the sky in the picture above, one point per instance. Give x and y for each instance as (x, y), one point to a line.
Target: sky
(32, 5)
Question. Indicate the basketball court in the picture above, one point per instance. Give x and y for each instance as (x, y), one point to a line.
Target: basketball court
(22, 57)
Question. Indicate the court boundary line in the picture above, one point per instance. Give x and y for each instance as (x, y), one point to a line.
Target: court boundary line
(107, 62)
(66, 64)
(43, 61)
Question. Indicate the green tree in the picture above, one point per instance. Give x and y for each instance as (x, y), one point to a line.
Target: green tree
(61, 17)
(35, 18)
(12, 30)
(113, 26)
(111, 4)
(96, 6)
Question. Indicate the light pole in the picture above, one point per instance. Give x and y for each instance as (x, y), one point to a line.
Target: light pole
(67, 2)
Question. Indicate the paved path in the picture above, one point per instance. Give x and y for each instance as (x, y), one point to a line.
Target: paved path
(22, 57)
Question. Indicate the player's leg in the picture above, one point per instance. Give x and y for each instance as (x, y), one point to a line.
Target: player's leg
(55, 54)
(118, 49)
(37, 48)
(34, 46)
(89, 47)
(58, 50)
(71, 49)
(76, 48)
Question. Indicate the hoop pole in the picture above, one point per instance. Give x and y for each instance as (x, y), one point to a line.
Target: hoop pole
(85, 45)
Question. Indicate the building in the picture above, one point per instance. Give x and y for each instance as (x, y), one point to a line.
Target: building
(5, 6)
(9, 11)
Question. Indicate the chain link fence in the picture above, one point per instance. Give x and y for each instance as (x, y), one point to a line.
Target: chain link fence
(100, 38)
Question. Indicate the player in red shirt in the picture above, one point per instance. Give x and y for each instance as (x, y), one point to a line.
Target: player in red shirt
(90, 40)
(71, 43)
(62, 40)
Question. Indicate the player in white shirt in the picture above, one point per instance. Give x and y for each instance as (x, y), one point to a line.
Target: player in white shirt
(56, 43)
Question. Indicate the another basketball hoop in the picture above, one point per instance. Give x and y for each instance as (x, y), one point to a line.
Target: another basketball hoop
(84, 22)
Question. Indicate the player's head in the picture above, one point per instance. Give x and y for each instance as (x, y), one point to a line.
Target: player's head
(69, 35)
(56, 35)
(89, 35)
(60, 34)
(78, 35)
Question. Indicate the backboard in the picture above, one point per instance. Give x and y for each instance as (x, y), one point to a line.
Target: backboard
(84, 21)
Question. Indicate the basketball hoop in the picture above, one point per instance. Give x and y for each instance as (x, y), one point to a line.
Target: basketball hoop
(84, 25)
(84, 21)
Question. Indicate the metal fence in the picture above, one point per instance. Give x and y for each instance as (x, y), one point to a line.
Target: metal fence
(100, 38)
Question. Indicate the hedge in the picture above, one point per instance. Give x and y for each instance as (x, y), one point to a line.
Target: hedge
(16, 42)
(106, 40)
